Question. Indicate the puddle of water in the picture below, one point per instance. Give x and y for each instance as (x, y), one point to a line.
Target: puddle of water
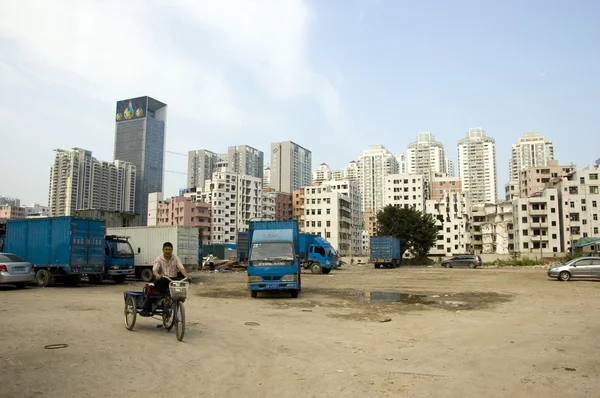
(398, 297)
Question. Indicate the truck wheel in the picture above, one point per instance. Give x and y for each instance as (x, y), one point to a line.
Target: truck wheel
(316, 268)
(294, 293)
(147, 275)
(73, 280)
(44, 278)
(253, 293)
(118, 279)
(377, 265)
(326, 270)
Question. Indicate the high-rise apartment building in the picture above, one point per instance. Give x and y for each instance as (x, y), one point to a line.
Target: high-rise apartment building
(78, 181)
(405, 190)
(477, 166)
(450, 168)
(267, 178)
(235, 200)
(291, 166)
(245, 160)
(426, 156)
(140, 126)
(402, 163)
(530, 150)
(373, 166)
(201, 165)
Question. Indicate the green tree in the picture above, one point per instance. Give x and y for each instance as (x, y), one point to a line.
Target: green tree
(417, 231)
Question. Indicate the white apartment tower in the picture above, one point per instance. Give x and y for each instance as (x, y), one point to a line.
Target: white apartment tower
(323, 173)
(350, 189)
(537, 224)
(235, 199)
(405, 190)
(451, 218)
(328, 213)
(201, 165)
(579, 194)
(402, 163)
(245, 160)
(530, 150)
(477, 166)
(267, 178)
(79, 182)
(291, 167)
(450, 168)
(373, 166)
(426, 156)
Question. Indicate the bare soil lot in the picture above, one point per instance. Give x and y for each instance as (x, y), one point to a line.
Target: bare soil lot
(454, 333)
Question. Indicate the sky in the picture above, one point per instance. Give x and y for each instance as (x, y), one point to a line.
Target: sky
(334, 76)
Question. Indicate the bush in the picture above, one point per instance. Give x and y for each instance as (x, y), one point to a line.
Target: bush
(517, 261)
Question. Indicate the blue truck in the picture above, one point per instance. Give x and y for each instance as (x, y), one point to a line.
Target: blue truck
(67, 248)
(319, 256)
(118, 260)
(274, 259)
(385, 251)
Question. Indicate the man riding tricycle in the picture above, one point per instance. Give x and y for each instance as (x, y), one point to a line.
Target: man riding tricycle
(164, 297)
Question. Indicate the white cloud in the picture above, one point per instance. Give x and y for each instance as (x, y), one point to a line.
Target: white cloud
(191, 54)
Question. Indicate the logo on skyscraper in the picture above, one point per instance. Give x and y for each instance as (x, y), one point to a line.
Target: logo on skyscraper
(131, 109)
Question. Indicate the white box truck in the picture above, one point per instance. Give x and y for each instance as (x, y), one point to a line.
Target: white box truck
(147, 242)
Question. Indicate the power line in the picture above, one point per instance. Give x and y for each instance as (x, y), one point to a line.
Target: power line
(177, 153)
(176, 172)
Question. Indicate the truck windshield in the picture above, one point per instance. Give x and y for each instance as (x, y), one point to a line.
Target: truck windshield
(121, 249)
(272, 253)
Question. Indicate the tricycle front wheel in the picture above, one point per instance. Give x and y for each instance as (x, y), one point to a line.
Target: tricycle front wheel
(130, 312)
(179, 321)
(167, 315)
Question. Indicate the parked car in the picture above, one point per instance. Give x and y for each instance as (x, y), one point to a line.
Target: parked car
(463, 260)
(582, 267)
(15, 271)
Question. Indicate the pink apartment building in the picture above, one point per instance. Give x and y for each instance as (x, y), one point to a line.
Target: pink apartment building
(185, 212)
(11, 212)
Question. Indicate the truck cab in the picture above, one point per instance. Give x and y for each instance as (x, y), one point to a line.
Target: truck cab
(119, 259)
(319, 256)
(273, 257)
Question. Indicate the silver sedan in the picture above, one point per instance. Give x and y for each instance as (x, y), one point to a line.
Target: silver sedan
(15, 271)
(582, 267)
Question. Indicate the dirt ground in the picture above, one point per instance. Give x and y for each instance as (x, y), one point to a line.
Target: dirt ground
(454, 333)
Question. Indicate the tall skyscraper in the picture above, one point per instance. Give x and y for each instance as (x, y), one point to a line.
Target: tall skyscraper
(530, 150)
(140, 126)
(450, 167)
(477, 166)
(201, 166)
(373, 165)
(426, 156)
(291, 167)
(79, 181)
(245, 160)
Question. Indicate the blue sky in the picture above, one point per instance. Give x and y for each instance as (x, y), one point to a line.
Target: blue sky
(333, 76)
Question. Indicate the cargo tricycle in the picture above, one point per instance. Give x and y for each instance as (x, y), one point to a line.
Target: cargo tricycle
(151, 303)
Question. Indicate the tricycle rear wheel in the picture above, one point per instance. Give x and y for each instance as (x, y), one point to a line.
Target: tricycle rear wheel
(130, 312)
(180, 321)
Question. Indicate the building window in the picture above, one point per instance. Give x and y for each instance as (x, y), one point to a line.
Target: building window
(328, 223)
(554, 223)
(525, 245)
(594, 189)
(553, 236)
(525, 232)
(524, 207)
(524, 220)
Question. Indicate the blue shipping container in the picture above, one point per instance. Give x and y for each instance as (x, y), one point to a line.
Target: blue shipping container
(385, 249)
(74, 244)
